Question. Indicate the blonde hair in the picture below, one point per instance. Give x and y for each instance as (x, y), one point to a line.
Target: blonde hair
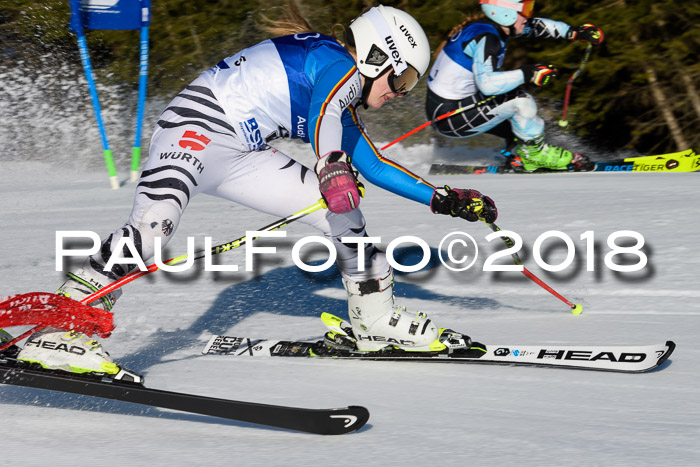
(292, 22)
(469, 19)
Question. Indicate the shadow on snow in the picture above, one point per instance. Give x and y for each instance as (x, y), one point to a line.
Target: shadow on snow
(284, 291)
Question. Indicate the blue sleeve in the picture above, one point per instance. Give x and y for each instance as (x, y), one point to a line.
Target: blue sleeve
(334, 125)
(376, 168)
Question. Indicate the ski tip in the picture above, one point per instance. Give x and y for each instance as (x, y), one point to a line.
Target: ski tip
(347, 420)
(671, 347)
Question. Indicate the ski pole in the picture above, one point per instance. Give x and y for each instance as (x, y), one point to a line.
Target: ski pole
(321, 204)
(441, 117)
(576, 308)
(563, 122)
(7, 344)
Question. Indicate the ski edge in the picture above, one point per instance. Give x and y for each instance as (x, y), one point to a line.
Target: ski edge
(332, 421)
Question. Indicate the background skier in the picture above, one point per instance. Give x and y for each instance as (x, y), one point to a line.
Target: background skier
(467, 71)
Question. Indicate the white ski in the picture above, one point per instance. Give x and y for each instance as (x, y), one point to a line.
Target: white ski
(622, 358)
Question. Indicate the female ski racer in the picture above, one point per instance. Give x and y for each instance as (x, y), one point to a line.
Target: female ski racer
(468, 71)
(213, 138)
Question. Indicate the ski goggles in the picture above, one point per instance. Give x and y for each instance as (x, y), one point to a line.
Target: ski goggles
(525, 8)
(407, 80)
(528, 8)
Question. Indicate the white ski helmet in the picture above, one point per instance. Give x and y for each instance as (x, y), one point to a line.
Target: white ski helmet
(386, 37)
(505, 12)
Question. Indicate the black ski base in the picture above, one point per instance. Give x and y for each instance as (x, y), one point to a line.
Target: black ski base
(318, 421)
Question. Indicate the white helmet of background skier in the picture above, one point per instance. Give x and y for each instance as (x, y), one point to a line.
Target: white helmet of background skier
(385, 38)
(505, 12)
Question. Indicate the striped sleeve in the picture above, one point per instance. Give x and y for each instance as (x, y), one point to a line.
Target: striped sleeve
(544, 28)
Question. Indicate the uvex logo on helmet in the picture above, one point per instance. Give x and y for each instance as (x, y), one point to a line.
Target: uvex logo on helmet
(408, 35)
(395, 55)
(384, 30)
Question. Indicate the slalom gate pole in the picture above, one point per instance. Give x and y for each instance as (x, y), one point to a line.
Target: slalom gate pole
(510, 243)
(321, 204)
(143, 78)
(563, 122)
(90, 77)
(437, 119)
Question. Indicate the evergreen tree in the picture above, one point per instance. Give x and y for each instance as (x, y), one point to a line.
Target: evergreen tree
(639, 90)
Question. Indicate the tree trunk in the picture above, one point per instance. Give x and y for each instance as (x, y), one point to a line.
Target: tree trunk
(173, 39)
(692, 92)
(662, 103)
(197, 44)
(665, 107)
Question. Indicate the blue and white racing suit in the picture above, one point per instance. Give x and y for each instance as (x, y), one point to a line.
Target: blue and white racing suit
(468, 71)
(214, 138)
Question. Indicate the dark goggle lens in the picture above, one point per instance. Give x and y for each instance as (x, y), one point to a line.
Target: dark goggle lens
(404, 82)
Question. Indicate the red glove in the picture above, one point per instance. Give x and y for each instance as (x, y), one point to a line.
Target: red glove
(586, 33)
(539, 74)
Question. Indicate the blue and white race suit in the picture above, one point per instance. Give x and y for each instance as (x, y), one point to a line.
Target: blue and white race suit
(214, 138)
(468, 71)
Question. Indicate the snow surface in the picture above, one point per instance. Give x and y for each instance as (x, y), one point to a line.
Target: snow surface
(421, 414)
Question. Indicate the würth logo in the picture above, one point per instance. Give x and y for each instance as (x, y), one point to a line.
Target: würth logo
(199, 143)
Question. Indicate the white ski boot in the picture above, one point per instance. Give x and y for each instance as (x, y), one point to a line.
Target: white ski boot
(377, 322)
(82, 283)
(74, 352)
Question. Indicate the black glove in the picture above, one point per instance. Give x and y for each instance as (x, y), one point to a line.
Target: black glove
(467, 204)
(586, 33)
(539, 74)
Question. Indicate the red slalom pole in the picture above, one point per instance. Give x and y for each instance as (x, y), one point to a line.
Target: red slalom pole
(153, 267)
(437, 119)
(564, 122)
(7, 344)
(51, 310)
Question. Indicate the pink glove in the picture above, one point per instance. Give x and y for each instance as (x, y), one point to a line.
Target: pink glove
(337, 182)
